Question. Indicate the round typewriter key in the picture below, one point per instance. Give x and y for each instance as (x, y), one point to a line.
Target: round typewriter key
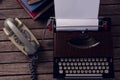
(88, 67)
(89, 59)
(97, 59)
(82, 71)
(73, 59)
(59, 63)
(65, 68)
(60, 67)
(99, 67)
(103, 67)
(68, 68)
(73, 68)
(101, 59)
(71, 63)
(79, 63)
(101, 71)
(84, 67)
(69, 59)
(91, 67)
(107, 67)
(67, 63)
(61, 71)
(66, 60)
(80, 67)
(85, 59)
(98, 63)
(86, 71)
(105, 59)
(97, 71)
(74, 71)
(87, 63)
(81, 59)
(66, 71)
(106, 71)
(83, 63)
(75, 64)
(95, 67)
(61, 59)
(77, 59)
(93, 71)
(70, 71)
(76, 68)
(93, 59)
(64, 64)
(90, 71)
(103, 63)
(106, 63)
(91, 63)
(78, 71)
(94, 63)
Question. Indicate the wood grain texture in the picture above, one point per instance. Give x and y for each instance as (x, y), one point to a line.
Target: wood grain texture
(8, 46)
(14, 65)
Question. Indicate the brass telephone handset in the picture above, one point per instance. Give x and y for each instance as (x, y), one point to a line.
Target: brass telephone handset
(24, 40)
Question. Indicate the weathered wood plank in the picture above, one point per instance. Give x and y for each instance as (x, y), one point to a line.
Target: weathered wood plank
(117, 53)
(15, 57)
(110, 1)
(116, 41)
(115, 31)
(117, 64)
(8, 46)
(20, 13)
(8, 4)
(23, 68)
(27, 77)
(109, 10)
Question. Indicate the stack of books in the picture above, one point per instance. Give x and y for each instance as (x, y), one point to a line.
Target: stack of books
(35, 8)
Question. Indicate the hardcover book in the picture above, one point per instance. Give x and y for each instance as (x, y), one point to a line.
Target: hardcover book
(30, 2)
(34, 6)
(35, 14)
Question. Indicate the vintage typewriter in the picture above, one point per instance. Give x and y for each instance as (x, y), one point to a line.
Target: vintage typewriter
(82, 41)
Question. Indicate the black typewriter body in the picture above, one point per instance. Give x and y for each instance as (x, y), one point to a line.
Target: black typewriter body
(91, 63)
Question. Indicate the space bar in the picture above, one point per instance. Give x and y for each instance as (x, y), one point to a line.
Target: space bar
(83, 75)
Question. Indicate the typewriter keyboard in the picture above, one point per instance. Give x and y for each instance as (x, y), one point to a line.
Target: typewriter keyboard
(83, 68)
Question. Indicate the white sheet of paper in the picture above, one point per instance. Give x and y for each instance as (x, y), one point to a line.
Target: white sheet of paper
(76, 9)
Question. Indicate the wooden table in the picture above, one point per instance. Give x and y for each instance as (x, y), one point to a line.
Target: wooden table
(14, 65)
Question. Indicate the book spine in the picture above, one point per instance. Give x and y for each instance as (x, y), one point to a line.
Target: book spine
(46, 8)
